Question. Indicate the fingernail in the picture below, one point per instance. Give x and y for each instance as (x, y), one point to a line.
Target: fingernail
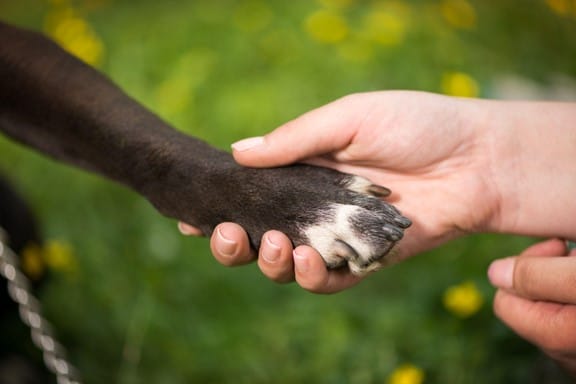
(188, 230)
(301, 262)
(183, 228)
(247, 144)
(501, 273)
(271, 253)
(226, 247)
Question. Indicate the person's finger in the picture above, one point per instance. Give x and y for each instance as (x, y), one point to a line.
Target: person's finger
(548, 325)
(230, 245)
(312, 275)
(540, 273)
(189, 230)
(550, 279)
(328, 128)
(550, 247)
(501, 271)
(275, 257)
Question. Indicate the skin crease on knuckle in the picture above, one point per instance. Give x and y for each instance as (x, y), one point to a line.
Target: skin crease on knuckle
(543, 279)
(525, 273)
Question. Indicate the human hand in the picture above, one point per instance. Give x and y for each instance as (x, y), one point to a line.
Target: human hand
(536, 297)
(418, 144)
(454, 165)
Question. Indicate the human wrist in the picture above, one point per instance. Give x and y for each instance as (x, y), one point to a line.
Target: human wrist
(478, 121)
(532, 154)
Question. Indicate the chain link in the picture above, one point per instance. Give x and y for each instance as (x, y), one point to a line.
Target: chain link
(30, 313)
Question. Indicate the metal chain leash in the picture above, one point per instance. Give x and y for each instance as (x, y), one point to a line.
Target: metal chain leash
(30, 313)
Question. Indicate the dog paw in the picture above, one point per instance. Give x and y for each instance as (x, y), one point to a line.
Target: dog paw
(359, 231)
(344, 217)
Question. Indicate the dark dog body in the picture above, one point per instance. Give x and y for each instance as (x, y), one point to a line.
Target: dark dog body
(53, 102)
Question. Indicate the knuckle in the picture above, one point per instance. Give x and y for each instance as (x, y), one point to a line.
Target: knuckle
(526, 273)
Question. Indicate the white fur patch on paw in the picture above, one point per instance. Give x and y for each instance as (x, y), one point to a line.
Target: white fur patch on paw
(359, 184)
(364, 186)
(341, 244)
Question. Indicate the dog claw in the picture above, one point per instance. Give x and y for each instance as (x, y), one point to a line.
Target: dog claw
(345, 251)
(392, 233)
(378, 191)
(402, 222)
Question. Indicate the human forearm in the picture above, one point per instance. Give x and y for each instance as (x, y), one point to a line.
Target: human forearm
(533, 163)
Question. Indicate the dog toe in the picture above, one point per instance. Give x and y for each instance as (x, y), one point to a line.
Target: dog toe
(356, 237)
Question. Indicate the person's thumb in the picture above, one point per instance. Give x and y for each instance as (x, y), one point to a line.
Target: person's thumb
(541, 272)
(323, 130)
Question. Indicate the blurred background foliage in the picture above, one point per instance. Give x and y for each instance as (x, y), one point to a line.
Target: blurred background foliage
(135, 302)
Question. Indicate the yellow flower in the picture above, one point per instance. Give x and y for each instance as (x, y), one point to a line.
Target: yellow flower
(384, 28)
(406, 374)
(459, 84)
(74, 34)
(326, 26)
(59, 256)
(176, 93)
(463, 300)
(560, 7)
(55, 255)
(459, 13)
(32, 261)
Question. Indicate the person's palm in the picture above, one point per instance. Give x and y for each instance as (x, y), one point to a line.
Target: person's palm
(410, 142)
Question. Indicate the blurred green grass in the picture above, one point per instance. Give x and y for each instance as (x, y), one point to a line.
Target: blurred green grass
(145, 305)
